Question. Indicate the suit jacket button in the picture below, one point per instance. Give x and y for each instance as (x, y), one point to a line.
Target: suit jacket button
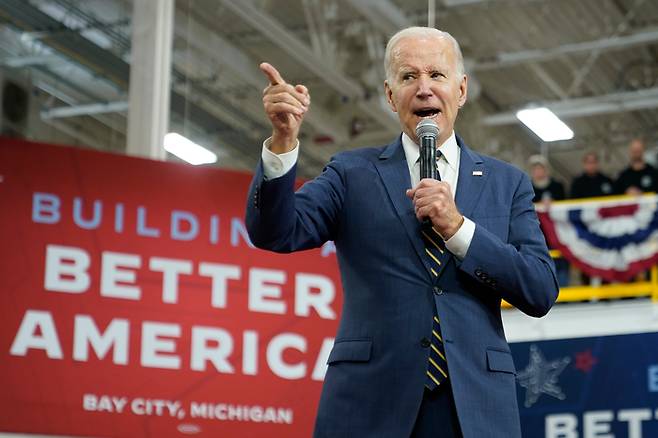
(425, 342)
(478, 272)
(438, 290)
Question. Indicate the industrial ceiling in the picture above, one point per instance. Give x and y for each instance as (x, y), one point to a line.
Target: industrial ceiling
(593, 62)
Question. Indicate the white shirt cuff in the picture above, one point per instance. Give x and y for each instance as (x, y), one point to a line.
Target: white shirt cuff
(459, 243)
(277, 165)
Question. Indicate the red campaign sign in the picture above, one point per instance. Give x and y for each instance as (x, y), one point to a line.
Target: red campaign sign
(132, 304)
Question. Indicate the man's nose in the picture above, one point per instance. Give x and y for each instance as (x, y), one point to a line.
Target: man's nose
(424, 87)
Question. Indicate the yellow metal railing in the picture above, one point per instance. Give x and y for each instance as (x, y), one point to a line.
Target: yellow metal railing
(638, 289)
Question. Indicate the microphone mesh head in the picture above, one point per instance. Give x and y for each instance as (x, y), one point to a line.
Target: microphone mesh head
(427, 128)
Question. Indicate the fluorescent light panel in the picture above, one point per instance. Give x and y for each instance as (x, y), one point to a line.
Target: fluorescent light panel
(187, 150)
(545, 124)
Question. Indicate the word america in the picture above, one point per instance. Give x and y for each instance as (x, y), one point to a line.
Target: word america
(210, 347)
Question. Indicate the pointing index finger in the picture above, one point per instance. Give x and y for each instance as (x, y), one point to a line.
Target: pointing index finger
(272, 73)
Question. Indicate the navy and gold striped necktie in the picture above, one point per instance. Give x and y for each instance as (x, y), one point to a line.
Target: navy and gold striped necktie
(437, 367)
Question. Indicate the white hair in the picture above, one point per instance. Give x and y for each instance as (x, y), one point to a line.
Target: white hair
(421, 32)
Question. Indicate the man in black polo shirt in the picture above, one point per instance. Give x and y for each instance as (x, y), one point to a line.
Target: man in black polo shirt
(591, 182)
(639, 176)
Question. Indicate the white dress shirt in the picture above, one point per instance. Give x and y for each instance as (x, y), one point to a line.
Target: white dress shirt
(277, 165)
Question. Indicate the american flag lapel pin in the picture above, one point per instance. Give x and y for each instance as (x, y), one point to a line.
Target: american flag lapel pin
(477, 173)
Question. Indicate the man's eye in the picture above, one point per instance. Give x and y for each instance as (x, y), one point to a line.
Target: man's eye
(407, 76)
(437, 75)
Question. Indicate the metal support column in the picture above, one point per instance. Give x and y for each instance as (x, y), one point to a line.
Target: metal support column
(150, 73)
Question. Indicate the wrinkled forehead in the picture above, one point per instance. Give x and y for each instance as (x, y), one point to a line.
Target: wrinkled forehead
(422, 51)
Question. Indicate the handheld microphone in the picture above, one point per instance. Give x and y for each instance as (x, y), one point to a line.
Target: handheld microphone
(427, 132)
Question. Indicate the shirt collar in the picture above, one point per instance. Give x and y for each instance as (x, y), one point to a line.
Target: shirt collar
(449, 149)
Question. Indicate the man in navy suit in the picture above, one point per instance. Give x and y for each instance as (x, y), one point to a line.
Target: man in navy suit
(420, 349)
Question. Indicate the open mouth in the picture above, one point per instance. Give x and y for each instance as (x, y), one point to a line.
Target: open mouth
(426, 112)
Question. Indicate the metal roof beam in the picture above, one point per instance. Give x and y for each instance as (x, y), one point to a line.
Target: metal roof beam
(548, 80)
(382, 14)
(458, 3)
(208, 42)
(454, 3)
(299, 51)
(603, 44)
(589, 106)
(271, 28)
(84, 110)
(30, 61)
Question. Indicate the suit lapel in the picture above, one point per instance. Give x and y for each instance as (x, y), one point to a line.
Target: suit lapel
(394, 172)
(472, 178)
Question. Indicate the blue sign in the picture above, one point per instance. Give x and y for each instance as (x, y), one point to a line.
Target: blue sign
(603, 387)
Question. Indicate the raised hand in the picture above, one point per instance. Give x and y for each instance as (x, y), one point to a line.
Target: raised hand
(285, 106)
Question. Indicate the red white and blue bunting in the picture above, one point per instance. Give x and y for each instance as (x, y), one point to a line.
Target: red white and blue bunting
(614, 238)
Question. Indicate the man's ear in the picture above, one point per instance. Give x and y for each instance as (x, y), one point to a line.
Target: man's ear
(389, 96)
(463, 91)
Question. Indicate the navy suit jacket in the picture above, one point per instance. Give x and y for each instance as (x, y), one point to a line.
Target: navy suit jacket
(375, 379)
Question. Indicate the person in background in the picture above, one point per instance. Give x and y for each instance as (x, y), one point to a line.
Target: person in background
(591, 182)
(546, 188)
(639, 177)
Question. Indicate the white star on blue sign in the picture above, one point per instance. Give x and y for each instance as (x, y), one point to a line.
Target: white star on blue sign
(540, 377)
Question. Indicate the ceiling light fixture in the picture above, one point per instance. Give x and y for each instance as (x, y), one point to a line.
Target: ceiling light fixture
(187, 150)
(545, 124)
